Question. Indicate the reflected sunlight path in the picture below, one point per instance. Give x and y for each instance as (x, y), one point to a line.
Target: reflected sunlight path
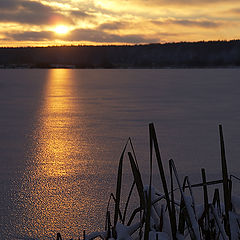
(58, 156)
(57, 140)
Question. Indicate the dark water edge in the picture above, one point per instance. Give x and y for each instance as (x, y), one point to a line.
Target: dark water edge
(53, 66)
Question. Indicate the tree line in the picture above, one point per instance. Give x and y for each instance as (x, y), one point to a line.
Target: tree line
(179, 55)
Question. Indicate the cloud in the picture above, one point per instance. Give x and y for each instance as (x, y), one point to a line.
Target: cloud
(189, 23)
(81, 35)
(113, 25)
(125, 21)
(204, 23)
(80, 14)
(103, 37)
(98, 36)
(234, 11)
(8, 4)
(181, 2)
(30, 36)
(30, 12)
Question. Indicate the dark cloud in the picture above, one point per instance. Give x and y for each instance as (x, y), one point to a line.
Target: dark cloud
(30, 12)
(181, 2)
(102, 37)
(234, 11)
(190, 23)
(89, 35)
(98, 36)
(30, 36)
(8, 4)
(80, 14)
(113, 25)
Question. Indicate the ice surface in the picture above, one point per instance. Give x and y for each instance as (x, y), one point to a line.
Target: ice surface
(62, 132)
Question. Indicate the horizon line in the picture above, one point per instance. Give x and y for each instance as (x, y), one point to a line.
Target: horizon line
(119, 45)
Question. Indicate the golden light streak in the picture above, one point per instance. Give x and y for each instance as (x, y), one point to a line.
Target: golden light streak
(57, 141)
(59, 155)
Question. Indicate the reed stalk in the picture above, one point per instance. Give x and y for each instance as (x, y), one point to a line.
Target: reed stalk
(154, 142)
(226, 192)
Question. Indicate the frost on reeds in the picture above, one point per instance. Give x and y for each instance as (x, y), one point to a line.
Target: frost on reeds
(161, 216)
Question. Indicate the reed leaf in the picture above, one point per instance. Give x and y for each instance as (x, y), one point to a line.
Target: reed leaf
(108, 224)
(133, 151)
(187, 184)
(119, 186)
(218, 223)
(148, 212)
(137, 179)
(173, 210)
(154, 142)
(108, 205)
(206, 228)
(149, 193)
(181, 221)
(186, 208)
(133, 215)
(128, 200)
(226, 192)
(216, 200)
(207, 183)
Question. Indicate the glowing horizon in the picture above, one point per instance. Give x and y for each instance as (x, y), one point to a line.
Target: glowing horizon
(77, 22)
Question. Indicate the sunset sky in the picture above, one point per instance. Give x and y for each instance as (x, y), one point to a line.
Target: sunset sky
(57, 22)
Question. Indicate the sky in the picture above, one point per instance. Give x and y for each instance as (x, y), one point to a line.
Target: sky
(96, 22)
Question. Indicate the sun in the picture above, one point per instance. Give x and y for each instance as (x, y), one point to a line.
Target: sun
(61, 29)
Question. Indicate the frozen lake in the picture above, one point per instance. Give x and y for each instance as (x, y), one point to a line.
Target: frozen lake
(62, 132)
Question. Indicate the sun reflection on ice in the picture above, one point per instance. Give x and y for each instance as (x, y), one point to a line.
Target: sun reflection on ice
(56, 137)
(59, 145)
(59, 156)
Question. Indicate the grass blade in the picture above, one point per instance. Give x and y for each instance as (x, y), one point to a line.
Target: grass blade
(226, 192)
(154, 142)
(119, 186)
(205, 193)
(137, 179)
(187, 208)
(127, 203)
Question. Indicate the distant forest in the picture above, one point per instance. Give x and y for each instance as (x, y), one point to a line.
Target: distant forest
(169, 55)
